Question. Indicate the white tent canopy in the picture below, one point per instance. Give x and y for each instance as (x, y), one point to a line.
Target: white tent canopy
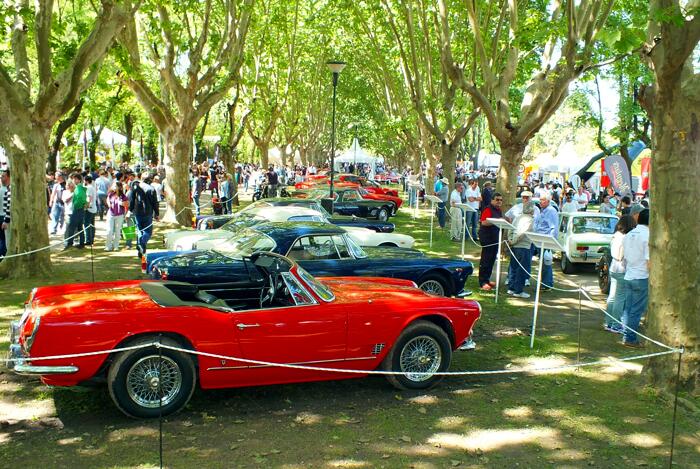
(107, 137)
(355, 154)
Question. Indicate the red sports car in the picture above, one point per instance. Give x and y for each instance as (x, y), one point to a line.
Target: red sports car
(282, 315)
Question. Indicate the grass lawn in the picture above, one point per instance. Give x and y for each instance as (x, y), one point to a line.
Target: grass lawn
(602, 416)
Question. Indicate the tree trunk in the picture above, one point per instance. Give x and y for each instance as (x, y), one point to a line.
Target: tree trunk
(507, 180)
(264, 154)
(129, 133)
(63, 126)
(178, 143)
(448, 158)
(674, 244)
(303, 152)
(28, 226)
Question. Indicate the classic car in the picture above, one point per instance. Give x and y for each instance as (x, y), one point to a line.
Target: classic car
(322, 249)
(213, 239)
(352, 181)
(210, 222)
(184, 239)
(582, 234)
(388, 177)
(175, 336)
(348, 201)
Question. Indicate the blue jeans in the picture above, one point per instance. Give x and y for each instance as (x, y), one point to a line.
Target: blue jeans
(547, 270)
(472, 223)
(195, 200)
(57, 215)
(524, 257)
(3, 243)
(75, 224)
(441, 214)
(616, 299)
(412, 194)
(89, 232)
(144, 230)
(636, 297)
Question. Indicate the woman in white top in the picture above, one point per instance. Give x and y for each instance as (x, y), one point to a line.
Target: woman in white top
(616, 272)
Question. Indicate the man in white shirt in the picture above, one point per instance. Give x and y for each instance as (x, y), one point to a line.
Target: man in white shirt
(456, 212)
(581, 198)
(570, 205)
(517, 209)
(90, 211)
(473, 197)
(636, 255)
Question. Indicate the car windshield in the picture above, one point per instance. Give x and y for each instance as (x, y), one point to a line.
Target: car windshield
(355, 248)
(242, 220)
(245, 243)
(602, 225)
(317, 286)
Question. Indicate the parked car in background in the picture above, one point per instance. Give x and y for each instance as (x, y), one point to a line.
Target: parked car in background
(348, 201)
(210, 222)
(582, 234)
(322, 249)
(235, 335)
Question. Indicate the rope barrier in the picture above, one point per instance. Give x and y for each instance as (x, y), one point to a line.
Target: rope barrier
(84, 230)
(157, 345)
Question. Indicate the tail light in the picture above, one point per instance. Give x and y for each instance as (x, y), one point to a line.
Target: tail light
(164, 274)
(144, 264)
(582, 248)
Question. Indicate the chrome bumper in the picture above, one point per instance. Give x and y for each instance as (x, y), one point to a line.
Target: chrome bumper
(17, 361)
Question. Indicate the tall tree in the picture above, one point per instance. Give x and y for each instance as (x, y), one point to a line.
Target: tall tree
(442, 113)
(195, 51)
(54, 59)
(508, 51)
(673, 103)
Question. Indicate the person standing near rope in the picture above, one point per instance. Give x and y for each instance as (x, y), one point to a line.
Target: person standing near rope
(488, 235)
(456, 213)
(143, 203)
(78, 199)
(521, 254)
(635, 248)
(546, 223)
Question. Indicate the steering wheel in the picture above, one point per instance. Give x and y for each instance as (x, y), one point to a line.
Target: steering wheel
(268, 294)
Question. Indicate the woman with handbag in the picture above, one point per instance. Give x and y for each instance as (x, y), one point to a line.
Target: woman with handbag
(118, 205)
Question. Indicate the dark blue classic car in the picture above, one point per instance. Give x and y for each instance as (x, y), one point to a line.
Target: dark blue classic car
(211, 222)
(322, 249)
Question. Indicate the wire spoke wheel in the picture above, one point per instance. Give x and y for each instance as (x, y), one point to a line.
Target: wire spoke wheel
(154, 381)
(420, 358)
(433, 287)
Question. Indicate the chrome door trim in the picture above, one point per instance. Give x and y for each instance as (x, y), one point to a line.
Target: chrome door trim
(220, 368)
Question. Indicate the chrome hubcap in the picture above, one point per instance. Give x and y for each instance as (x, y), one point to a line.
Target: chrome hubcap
(420, 358)
(433, 287)
(153, 381)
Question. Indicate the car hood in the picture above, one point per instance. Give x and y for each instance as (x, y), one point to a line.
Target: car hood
(184, 239)
(390, 252)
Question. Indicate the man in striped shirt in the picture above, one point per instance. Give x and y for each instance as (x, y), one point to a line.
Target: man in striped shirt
(5, 219)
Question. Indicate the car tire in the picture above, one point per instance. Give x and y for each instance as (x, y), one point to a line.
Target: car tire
(383, 214)
(137, 397)
(394, 209)
(604, 279)
(421, 347)
(390, 245)
(434, 284)
(566, 265)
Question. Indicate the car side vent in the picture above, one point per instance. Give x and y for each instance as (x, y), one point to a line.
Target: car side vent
(377, 349)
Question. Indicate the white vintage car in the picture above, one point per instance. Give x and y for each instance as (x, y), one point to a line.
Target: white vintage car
(184, 240)
(582, 234)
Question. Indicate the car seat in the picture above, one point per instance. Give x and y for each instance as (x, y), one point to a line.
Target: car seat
(209, 299)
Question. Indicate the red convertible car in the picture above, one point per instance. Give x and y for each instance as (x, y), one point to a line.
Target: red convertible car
(350, 180)
(283, 315)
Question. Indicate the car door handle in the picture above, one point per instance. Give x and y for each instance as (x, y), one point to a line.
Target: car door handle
(242, 326)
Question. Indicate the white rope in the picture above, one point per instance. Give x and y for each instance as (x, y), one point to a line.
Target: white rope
(85, 228)
(609, 361)
(585, 293)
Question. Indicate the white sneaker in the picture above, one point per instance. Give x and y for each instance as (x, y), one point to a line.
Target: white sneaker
(511, 292)
(520, 295)
(468, 344)
(527, 283)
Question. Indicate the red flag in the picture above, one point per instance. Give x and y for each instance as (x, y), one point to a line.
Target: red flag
(604, 179)
(646, 169)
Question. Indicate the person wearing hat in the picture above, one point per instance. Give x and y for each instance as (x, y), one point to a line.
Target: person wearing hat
(444, 195)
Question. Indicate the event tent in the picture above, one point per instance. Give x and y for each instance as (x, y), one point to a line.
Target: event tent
(107, 137)
(355, 154)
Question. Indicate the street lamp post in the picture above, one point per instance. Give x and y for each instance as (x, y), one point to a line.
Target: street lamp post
(335, 67)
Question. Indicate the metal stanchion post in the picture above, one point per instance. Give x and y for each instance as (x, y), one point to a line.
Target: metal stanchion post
(433, 201)
(578, 353)
(675, 406)
(537, 297)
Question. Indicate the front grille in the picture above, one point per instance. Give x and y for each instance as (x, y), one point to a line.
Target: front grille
(377, 349)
